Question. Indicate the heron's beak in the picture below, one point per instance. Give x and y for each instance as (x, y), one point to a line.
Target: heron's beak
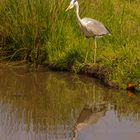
(70, 6)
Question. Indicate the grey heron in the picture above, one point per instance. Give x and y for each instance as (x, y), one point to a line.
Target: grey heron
(90, 27)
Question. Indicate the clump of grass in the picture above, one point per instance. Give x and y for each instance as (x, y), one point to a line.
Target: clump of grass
(42, 32)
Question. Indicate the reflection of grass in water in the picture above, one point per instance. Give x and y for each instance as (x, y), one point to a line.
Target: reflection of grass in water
(45, 102)
(48, 99)
(47, 33)
(126, 106)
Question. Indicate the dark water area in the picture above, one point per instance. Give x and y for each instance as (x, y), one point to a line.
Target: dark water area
(64, 106)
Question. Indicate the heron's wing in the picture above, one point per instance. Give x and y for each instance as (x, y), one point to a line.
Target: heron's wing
(94, 27)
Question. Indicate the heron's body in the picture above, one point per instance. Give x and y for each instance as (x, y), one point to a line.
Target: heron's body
(90, 27)
(93, 28)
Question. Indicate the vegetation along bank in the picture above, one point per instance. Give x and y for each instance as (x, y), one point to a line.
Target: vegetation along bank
(41, 32)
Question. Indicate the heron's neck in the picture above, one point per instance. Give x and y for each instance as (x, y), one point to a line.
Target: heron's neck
(77, 12)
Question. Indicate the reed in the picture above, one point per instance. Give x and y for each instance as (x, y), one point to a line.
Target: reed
(42, 32)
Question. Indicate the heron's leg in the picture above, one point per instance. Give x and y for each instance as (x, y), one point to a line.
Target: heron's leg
(87, 50)
(86, 55)
(95, 46)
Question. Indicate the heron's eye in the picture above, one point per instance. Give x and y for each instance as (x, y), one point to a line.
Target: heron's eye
(73, 1)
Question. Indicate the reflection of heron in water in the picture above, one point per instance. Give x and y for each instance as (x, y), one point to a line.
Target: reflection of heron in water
(90, 27)
(89, 116)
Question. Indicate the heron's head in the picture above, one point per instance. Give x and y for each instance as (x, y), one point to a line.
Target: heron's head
(72, 4)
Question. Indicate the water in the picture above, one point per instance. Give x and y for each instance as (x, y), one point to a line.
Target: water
(64, 106)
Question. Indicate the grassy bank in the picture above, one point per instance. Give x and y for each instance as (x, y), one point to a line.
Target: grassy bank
(43, 33)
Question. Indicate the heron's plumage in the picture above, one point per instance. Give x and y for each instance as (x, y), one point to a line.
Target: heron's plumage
(93, 28)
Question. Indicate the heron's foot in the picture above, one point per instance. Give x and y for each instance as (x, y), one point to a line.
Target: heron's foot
(94, 64)
(85, 61)
(97, 63)
(94, 60)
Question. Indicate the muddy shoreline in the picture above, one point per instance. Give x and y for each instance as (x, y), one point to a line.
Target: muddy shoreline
(96, 71)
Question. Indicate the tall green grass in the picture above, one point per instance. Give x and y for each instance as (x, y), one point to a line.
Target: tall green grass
(42, 32)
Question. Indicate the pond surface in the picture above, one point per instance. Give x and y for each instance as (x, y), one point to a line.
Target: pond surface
(64, 106)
